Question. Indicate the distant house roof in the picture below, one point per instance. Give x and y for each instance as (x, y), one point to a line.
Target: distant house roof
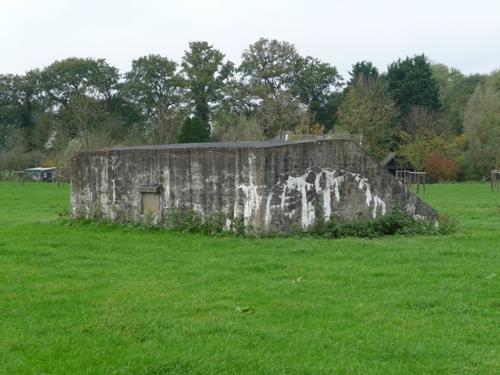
(390, 157)
(394, 162)
(39, 169)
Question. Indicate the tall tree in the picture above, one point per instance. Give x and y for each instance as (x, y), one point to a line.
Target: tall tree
(194, 129)
(91, 77)
(156, 87)
(369, 114)
(411, 84)
(7, 109)
(270, 67)
(279, 113)
(20, 104)
(87, 119)
(205, 73)
(314, 85)
(455, 89)
(482, 128)
(363, 69)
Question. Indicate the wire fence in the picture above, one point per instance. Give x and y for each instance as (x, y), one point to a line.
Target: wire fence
(409, 178)
(495, 179)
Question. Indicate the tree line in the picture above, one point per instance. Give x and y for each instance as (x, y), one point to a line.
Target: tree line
(431, 116)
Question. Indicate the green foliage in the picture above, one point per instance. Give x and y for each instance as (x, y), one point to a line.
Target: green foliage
(393, 223)
(206, 74)
(269, 66)
(316, 82)
(279, 113)
(237, 128)
(17, 159)
(65, 78)
(80, 103)
(455, 89)
(482, 128)
(411, 84)
(85, 118)
(20, 103)
(418, 149)
(157, 89)
(369, 114)
(363, 70)
(194, 129)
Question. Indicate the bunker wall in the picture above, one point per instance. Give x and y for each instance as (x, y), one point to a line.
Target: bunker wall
(271, 188)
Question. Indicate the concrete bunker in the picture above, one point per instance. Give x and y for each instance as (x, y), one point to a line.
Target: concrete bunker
(272, 185)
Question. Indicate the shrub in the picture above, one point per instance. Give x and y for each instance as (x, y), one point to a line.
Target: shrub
(394, 223)
(441, 168)
(16, 159)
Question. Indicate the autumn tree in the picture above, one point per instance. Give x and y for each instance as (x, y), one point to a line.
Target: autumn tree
(369, 114)
(441, 168)
(418, 149)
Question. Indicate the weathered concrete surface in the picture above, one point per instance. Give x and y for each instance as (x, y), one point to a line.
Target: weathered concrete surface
(272, 185)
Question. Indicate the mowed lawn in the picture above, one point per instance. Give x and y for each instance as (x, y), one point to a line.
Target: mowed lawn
(96, 299)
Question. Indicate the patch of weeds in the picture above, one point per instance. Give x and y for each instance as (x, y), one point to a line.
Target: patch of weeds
(245, 310)
(62, 212)
(183, 220)
(395, 222)
(213, 224)
(239, 226)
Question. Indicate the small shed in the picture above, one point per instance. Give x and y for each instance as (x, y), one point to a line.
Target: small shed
(41, 174)
(393, 163)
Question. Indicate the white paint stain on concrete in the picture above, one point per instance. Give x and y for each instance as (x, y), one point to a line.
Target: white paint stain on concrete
(332, 185)
(228, 225)
(113, 183)
(268, 214)
(252, 200)
(327, 184)
(300, 184)
(370, 198)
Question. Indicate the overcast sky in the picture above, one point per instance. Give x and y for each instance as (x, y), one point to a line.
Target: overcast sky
(461, 33)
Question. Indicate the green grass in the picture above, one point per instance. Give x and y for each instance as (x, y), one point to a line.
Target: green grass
(95, 299)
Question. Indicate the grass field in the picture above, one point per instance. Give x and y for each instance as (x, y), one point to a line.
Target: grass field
(95, 299)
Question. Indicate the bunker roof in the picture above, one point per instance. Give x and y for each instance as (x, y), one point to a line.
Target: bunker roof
(219, 145)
